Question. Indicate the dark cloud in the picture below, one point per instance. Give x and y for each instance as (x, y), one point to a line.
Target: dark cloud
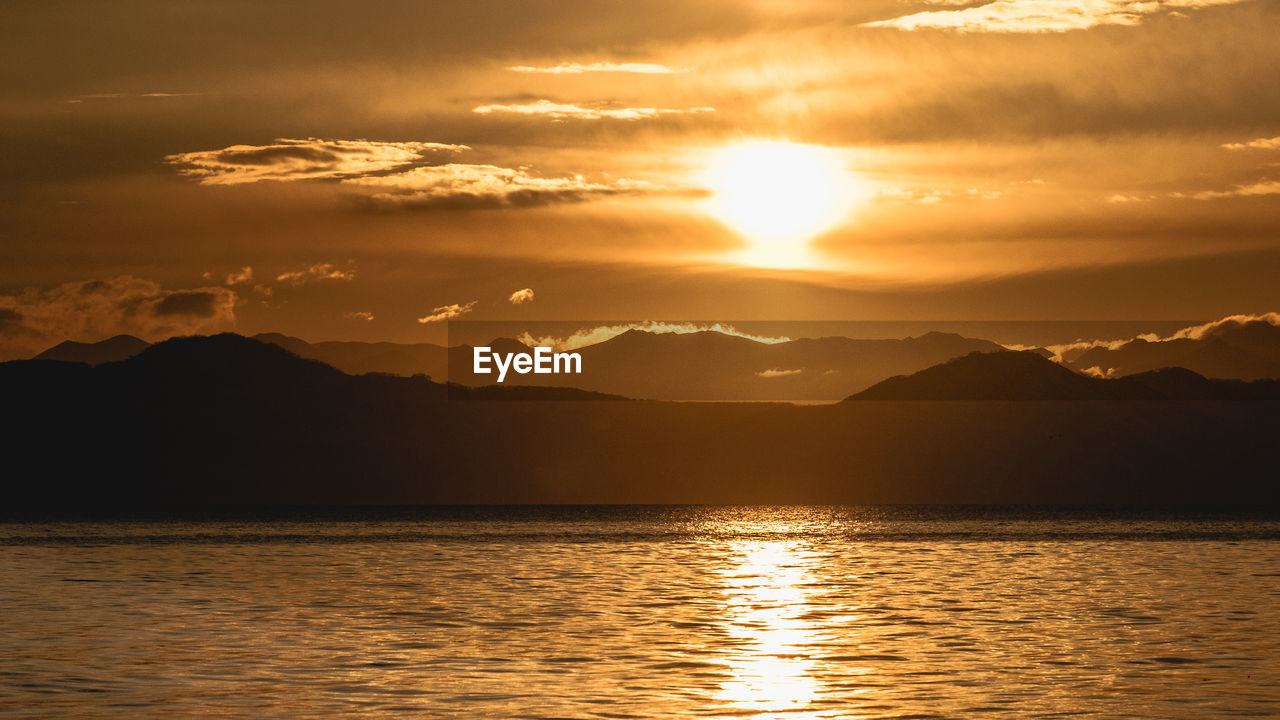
(35, 318)
(193, 304)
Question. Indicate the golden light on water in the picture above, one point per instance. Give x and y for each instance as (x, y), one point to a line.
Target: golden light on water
(779, 196)
(767, 595)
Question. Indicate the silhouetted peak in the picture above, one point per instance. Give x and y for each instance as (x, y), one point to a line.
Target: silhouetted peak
(935, 335)
(1005, 375)
(224, 355)
(112, 349)
(508, 345)
(276, 338)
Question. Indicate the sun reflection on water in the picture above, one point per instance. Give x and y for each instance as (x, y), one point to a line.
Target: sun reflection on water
(767, 595)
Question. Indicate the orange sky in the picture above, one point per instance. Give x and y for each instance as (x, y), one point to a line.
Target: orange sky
(348, 170)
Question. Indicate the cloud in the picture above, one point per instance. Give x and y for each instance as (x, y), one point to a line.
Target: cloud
(775, 372)
(933, 196)
(320, 271)
(1039, 16)
(243, 276)
(309, 159)
(565, 111)
(126, 96)
(1258, 144)
(1263, 187)
(567, 68)
(460, 185)
(90, 310)
(520, 297)
(446, 312)
(1194, 332)
(359, 315)
(592, 336)
(398, 174)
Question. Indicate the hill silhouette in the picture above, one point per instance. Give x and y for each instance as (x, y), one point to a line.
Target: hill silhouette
(1028, 375)
(228, 420)
(357, 358)
(119, 347)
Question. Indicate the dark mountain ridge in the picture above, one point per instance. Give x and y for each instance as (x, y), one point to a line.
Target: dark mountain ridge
(1028, 375)
(228, 420)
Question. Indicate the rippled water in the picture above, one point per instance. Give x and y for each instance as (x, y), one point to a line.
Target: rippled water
(644, 612)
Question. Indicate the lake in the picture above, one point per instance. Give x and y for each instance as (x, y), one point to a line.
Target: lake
(643, 612)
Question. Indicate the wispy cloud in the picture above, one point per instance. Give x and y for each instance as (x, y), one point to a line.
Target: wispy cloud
(243, 276)
(592, 336)
(775, 372)
(934, 196)
(567, 68)
(307, 159)
(1039, 16)
(399, 174)
(364, 315)
(126, 96)
(567, 111)
(461, 185)
(319, 271)
(90, 310)
(521, 297)
(1263, 187)
(446, 312)
(1258, 144)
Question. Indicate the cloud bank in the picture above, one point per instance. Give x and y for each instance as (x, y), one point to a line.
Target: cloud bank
(91, 310)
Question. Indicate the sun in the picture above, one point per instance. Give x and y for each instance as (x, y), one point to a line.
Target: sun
(779, 196)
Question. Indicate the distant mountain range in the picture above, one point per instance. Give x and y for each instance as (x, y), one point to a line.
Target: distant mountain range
(713, 366)
(692, 366)
(1243, 351)
(230, 420)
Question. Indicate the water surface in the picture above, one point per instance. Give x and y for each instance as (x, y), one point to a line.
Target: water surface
(642, 612)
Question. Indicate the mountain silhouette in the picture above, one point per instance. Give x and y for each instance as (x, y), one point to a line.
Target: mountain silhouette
(224, 420)
(1243, 351)
(707, 366)
(119, 347)
(1028, 375)
(357, 358)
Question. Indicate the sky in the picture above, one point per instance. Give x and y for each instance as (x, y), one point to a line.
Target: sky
(371, 170)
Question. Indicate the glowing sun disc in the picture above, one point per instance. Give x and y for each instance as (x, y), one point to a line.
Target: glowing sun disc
(778, 194)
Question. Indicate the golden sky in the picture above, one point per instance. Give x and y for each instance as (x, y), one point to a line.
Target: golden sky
(341, 170)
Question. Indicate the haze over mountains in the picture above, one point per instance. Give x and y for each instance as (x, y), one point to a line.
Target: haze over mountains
(227, 419)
